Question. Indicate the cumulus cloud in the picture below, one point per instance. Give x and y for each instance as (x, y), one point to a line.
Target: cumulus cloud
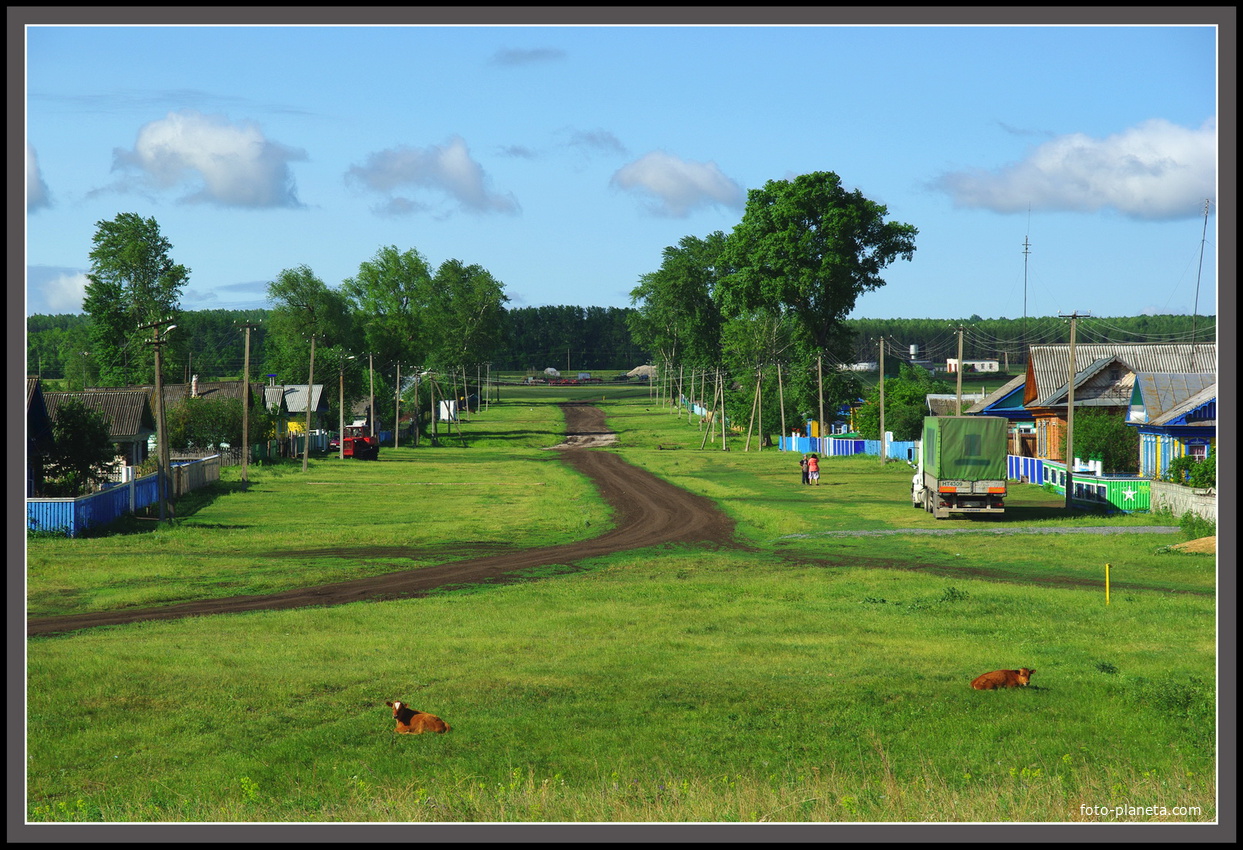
(447, 170)
(530, 56)
(37, 195)
(53, 291)
(232, 164)
(675, 187)
(1153, 171)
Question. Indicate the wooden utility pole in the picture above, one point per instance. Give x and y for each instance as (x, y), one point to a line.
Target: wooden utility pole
(163, 484)
(397, 408)
(958, 409)
(1070, 412)
(246, 408)
(781, 401)
(310, 384)
(820, 390)
(882, 399)
(371, 398)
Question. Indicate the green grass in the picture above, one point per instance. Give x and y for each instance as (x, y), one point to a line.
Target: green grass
(804, 678)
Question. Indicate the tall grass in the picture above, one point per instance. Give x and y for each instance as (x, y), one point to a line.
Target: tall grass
(803, 678)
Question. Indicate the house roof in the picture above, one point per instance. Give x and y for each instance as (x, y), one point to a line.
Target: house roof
(38, 421)
(996, 398)
(946, 404)
(295, 398)
(1048, 366)
(1164, 398)
(128, 411)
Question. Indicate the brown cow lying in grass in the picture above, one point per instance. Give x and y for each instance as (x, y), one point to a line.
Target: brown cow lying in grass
(1003, 679)
(411, 722)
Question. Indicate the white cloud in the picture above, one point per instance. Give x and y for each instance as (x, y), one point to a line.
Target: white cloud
(37, 196)
(60, 294)
(1156, 170)
(444, 169)
(233, 163)
(676, 186)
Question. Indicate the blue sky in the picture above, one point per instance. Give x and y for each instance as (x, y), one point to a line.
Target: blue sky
(564, 159)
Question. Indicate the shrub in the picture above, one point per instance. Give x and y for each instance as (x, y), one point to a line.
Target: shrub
(1194, 526)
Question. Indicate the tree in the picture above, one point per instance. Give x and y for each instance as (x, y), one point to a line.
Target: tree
(390, 295)
(132, 282)
(304, 306)
(468, 313)
(809, 247)
(1100, 433)
(82, 452)
(678, 318)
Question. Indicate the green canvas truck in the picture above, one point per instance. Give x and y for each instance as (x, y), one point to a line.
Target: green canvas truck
(961, 466)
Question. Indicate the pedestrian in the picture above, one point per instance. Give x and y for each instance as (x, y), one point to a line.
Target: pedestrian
(813, 469)
(803, 464)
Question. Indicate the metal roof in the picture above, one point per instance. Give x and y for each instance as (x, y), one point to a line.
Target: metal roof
(997, 395)
(1167, 396)
(128, 411)
(1048, 365)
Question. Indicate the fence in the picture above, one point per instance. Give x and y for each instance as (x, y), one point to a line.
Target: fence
(1179, 500)
(72, 517)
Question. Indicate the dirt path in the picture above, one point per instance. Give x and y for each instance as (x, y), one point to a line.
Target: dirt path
(647, 511)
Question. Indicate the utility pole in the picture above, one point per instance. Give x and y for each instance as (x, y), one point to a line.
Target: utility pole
(1195, 311)
(371, 400)
(397, 409)
(882, 399)
(1070, 412)
(161, 427)
(310, 385)
(958, 409)
(820, 390)
(1026, 246)
(246, 408)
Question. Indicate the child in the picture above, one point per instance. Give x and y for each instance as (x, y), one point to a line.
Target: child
(813, 470)
(803, 464)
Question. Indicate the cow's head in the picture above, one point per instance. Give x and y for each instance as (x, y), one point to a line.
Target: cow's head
(1025, 675)
(395, 705)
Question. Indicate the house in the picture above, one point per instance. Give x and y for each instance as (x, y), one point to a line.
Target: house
(295, 397)
(129, 416)
(1104, 380)
(39, 437)
(1007, 401)
(951, 365)
(1176, 415)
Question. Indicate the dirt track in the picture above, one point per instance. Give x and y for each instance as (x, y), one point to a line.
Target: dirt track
(647, 510)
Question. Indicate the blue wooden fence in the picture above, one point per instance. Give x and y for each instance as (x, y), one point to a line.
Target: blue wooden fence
(72, 517)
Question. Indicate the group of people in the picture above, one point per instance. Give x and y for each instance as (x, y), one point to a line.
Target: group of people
(811, 469)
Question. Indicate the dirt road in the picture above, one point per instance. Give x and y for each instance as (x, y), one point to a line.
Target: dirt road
(647, 510)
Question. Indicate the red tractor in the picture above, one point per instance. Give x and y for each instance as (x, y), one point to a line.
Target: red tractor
(357, 444)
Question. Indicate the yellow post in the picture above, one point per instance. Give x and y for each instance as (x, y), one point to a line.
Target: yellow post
(1107, 584)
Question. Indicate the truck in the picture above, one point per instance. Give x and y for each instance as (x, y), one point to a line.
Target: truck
(961, 466)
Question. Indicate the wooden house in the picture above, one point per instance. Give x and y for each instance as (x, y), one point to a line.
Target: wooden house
(39, 438)
(1104, 380)
(1176, 415)
(129, 416)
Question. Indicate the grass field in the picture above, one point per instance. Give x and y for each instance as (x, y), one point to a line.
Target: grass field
(801, 677)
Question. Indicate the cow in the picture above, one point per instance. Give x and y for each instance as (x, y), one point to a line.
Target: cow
(1003, 679)
(412, 722)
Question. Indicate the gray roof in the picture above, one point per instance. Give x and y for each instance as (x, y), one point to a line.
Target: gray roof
(128, 411)
(1168, 396)
(1049, 365)
(295, 398)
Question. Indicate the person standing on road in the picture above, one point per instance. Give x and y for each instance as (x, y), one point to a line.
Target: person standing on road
(813, 469)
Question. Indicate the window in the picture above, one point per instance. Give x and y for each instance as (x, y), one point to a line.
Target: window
(1198, 451)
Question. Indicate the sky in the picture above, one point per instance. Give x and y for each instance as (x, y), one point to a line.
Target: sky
(1048, 169)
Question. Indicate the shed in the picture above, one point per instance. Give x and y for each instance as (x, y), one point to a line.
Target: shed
(128, 413)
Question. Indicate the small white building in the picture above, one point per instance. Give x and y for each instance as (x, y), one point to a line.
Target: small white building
(951, 365)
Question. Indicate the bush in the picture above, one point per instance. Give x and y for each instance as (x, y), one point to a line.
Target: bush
(1193, 473)
(1194, 526)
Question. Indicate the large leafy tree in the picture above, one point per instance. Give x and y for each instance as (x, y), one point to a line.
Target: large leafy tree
(809, 247)
(468, 313)
(906, 404)
(1105, 434)
(390, 295)
(304, 307)
(677, 317)
(132, 282)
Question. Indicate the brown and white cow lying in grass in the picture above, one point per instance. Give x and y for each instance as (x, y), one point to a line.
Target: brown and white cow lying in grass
(1003, 679)
(411, 722)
